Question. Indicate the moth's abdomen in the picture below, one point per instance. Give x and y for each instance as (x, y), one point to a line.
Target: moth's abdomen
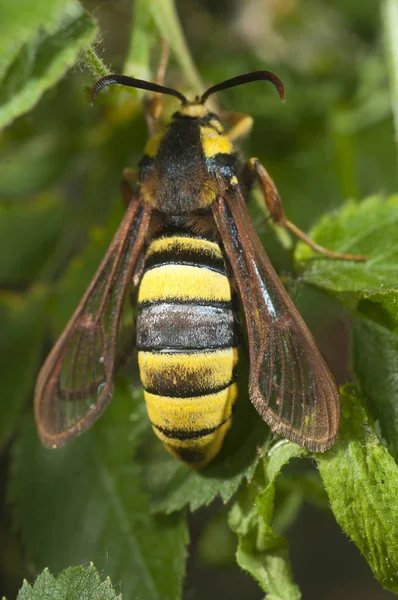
(186, 340)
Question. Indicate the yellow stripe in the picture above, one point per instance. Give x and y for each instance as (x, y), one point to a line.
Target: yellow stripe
(214, 143)
(190, 414)
(176, 243)
(212, 369)
(184, 283)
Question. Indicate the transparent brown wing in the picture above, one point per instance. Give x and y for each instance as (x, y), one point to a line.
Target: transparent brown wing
(76, 382)
(290, 383)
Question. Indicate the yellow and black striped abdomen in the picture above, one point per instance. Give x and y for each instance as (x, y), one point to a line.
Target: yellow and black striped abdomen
(186, 340)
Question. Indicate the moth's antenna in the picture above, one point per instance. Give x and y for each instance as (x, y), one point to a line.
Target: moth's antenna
(247, 78)
(135, 83)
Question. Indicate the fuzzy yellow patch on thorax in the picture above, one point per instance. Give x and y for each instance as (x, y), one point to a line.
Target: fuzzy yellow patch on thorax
(213, 143)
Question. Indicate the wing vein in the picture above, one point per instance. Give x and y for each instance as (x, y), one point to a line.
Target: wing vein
(76, 382)
(289, 382)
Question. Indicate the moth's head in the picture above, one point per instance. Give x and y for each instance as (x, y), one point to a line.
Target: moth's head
(196, 108)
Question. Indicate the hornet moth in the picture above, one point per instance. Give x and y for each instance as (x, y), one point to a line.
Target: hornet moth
(189, 248)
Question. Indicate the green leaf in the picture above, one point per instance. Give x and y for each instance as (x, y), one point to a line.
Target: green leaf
(369, 227)
(376, 366)
(308, 485)
(217, 543)
(288, 504)
(361, 479)
(172, 485)
(21, 326)
(262, 552)
(74, 583)
(39, 44)
(84, 502)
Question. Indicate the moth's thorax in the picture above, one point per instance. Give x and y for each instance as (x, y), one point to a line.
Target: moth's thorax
(191, 162)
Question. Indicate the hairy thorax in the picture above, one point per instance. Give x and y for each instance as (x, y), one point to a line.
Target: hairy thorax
(180, 172)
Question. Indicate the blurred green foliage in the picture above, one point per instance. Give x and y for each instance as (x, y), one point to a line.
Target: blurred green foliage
(113, 495)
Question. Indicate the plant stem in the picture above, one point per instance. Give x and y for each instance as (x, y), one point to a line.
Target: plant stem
(94, 63)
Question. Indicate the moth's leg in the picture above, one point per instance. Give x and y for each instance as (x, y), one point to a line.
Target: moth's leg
(128, 186)
(239, 125)
(154, 104)
(254, 171)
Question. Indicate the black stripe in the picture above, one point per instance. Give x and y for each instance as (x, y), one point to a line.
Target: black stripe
(164, 386)
(172, 230)
(210, 117)
(201, 256)
(189, 302)
(182, 434)
(185, 257)
(185, 327)
(192, 350)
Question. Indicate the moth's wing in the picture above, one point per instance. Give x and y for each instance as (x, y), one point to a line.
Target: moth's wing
(75, 383)
(290, 383)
